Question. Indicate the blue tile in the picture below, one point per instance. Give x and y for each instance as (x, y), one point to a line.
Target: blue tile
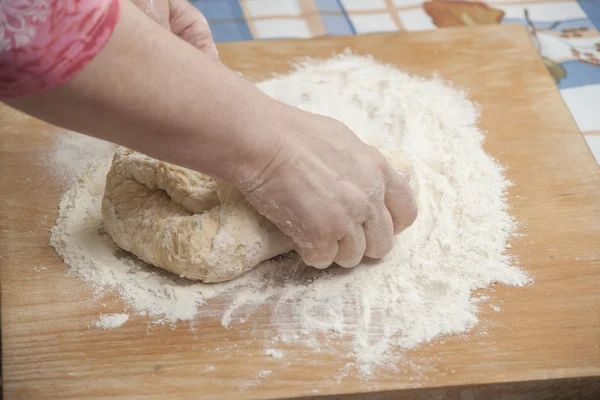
(230, 31)
(592, 9)
(579, 74)
(555, 26)
(337, 25)
(220, 10)
(352, 30)
(328, 6)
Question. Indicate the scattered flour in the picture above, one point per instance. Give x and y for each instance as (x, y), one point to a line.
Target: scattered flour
(420, 291)
(264, 374)
(480, 299)
(274, 353)
(256, 381)
(111, 321)
(72, 154)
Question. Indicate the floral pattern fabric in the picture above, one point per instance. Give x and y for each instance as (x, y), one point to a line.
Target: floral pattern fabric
(44, 43)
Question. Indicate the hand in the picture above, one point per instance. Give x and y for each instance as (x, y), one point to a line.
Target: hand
(184, 20)
(336, 197)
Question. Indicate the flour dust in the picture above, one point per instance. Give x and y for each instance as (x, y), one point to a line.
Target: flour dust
(72, 154)
(421, 290)
(111, 321)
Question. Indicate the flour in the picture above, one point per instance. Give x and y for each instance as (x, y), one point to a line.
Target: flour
(111, 321)
(274, 353)
(256, 381)
(72, 154)
(421, 290)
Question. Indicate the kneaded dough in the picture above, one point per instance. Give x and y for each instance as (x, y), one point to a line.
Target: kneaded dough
(189, 223)
(184, 221)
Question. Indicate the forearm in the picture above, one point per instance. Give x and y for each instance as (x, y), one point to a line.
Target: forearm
(152, 92)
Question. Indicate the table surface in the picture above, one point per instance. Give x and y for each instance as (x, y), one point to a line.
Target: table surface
(545, 332)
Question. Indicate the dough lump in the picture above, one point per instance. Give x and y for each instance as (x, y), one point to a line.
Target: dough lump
(184, 221)
(189, 223)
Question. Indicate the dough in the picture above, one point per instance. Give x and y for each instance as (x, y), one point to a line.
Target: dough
(187, 222)
(184, 221)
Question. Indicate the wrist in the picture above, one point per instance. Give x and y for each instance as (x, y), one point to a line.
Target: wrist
(260, 140)
(232, 129)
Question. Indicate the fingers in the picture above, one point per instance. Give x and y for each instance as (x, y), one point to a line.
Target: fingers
(372, 239)
(189, 23)
(318, 255)
(400, 201)
(379, 233)
(351, 248)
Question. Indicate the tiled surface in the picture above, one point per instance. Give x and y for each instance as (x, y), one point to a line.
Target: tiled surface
(584, 103)
(594, 142)
(380, 22)
(566, 32)
(272, 28)
(416, 20)
(273, 8)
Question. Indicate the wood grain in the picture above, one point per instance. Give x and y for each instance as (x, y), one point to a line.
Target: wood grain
(545, 340)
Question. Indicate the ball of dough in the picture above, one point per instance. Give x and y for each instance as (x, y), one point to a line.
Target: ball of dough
(184, 221)
(189, 223)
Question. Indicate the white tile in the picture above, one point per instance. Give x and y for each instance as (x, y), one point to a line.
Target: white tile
(267, 8)
(373, 23)
(356, 5)
(584, 104)
(548, 12)
(559, 49)
(589, 42)
(594, 142)
(416, 20)
(407, 3)
(553, 47)
(282, 28)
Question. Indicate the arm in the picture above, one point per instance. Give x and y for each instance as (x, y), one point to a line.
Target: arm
(337, 198)
(131, 94)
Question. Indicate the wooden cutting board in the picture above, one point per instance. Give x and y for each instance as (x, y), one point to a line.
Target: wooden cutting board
(544, 335)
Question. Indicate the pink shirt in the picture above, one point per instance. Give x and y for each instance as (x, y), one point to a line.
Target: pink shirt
(44, 43)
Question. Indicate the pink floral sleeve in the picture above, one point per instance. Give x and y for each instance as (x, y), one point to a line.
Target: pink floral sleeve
(44, 43)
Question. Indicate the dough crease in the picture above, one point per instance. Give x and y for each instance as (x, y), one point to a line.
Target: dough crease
(184, 221)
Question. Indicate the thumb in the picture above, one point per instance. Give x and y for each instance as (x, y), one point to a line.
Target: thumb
(189, 23)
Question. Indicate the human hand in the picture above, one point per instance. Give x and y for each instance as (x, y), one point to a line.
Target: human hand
(184, 20)
(335, 196)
